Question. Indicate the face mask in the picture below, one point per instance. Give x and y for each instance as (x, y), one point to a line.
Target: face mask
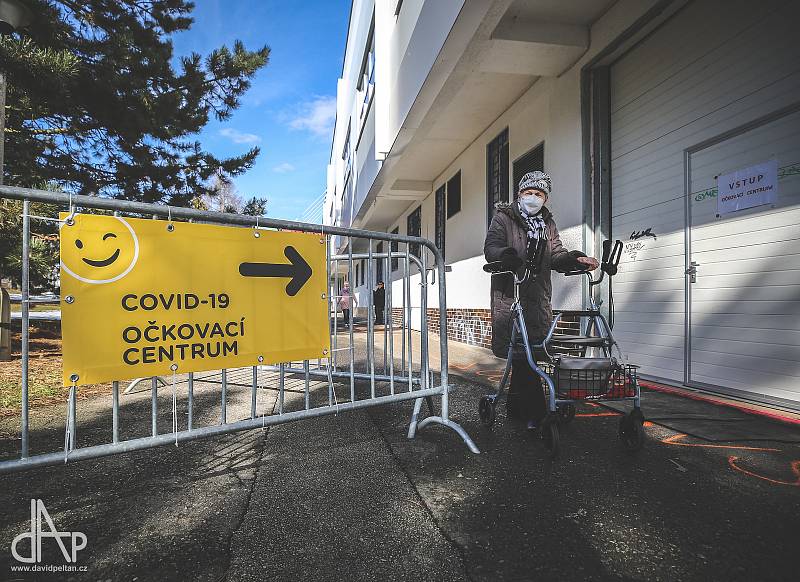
(531, 204)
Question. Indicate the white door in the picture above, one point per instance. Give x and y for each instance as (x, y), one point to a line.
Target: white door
(744, 308)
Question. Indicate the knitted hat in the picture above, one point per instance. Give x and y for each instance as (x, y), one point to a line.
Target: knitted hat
(536, 180)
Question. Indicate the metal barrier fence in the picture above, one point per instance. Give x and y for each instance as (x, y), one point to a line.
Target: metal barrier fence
(364, 367)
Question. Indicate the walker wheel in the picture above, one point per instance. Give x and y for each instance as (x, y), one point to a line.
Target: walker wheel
(566, 413)
(550, 437)
(487, 411)
(631, 430)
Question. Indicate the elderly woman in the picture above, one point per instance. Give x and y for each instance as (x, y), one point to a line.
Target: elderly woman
(514, 228)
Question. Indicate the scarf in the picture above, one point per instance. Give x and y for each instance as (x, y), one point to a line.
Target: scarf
(537, 228)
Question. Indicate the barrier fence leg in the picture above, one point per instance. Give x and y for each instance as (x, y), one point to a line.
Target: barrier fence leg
(351, 282)
(191, 400)
(154, 403)
(442, 419)
(115, 411)
(224, 412)
(370, 325)
(26, 236)
(253, 396)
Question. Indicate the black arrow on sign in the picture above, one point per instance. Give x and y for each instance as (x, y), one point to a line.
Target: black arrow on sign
(298, 269)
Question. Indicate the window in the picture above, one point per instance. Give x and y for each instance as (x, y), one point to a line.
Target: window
(529, 162)
(366, 79)
(496, 173)
(440, 219)
(395, 248)
(454, 195)
(348, 163)
(414, 228)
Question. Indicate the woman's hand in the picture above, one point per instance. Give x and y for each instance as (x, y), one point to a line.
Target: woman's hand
(590, 262)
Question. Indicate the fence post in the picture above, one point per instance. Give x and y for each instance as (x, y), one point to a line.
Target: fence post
(5, 325)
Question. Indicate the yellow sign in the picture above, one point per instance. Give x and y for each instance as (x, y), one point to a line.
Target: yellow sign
(145, 297)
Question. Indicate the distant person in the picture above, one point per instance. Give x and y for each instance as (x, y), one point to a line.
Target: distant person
(346, 302)
(514, 228)
(379, 301)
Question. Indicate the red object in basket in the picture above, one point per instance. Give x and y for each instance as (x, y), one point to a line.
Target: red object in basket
(621, 387)
(577, 393)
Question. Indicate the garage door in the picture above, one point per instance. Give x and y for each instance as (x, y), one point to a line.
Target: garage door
(713, 67)
(744, 297)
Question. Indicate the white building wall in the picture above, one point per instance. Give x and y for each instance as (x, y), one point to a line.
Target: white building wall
(406, 47)
(549, 111)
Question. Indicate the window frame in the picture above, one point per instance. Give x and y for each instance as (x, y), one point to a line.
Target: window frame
(414, 220)
(538, 151)
(450, 214)
(497, 151)
(440, 218)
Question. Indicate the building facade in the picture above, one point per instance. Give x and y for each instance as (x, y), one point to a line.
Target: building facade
(673, 125)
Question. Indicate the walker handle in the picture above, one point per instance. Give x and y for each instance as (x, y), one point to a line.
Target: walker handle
(611, 257)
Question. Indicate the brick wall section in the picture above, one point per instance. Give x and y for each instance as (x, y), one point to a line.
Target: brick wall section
(473, 326)
(469, 326)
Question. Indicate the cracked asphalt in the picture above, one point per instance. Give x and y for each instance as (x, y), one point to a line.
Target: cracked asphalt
(349, 497)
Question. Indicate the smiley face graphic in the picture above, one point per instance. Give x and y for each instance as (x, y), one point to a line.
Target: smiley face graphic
(98, 249)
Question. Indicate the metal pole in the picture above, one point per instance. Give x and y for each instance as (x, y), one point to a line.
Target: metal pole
(403, 322)
(335, 294)
(253, 395)
(281, 387)
(154, 404)
(386, 312)
(26, 243)
(408, 320)
(307, 383)
(352, 315)
(391, 324)
(443, 335)
(191, 399)
(330, 300)
(370, 325)
(115, 411)
(343, 374)
(223, 414)
(72, 416)
(423, 299)
(129, 207)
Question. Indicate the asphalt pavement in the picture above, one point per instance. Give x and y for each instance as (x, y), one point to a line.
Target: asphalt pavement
(349, 497)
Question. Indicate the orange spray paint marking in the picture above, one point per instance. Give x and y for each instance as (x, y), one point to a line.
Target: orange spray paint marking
(795, 469)
(673, 440)
(647, 423)
(585, 415)
(458, 367)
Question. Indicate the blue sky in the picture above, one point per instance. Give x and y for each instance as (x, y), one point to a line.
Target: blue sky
(289, 110)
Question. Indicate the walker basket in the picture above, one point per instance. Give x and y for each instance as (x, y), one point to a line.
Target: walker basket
(593, 378)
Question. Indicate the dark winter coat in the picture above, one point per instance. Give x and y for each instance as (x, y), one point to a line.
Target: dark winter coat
(379, 298)
(509, 230)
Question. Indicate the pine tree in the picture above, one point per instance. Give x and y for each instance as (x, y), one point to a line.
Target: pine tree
(96, 105)
(256, 206)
